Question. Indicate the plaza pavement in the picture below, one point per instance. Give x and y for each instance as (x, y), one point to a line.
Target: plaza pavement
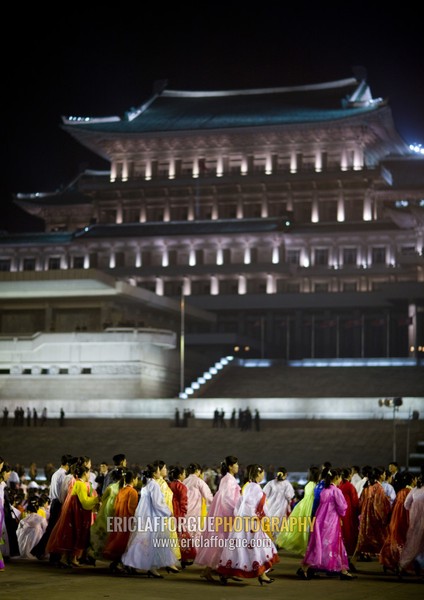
(34, 580)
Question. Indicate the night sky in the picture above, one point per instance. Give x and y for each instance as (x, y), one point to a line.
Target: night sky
(102, 62)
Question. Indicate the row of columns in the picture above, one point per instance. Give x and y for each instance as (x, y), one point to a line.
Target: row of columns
(349, 159)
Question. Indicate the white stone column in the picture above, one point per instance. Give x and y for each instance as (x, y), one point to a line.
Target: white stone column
(165, 257)
(190, 211)
(187, 286)
(219, 256)
(215, 214)
(315, 209)
(125, 170)
(214, 285)
(367, 207)
(143, 216)
(358, 159)
(293, 161)
(113, 171)
(219, 166)
(318, 160)
(159, 289)
(340, 208)
(275, 255)
(242, 285)
(119, 215)
(166, 212)
(171, 169)
(270, 284)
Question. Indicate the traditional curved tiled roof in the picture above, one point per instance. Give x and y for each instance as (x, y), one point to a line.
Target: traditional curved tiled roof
(170, 110)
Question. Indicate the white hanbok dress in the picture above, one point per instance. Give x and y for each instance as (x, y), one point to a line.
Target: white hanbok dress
(150, 546)
(249, 551)
(30, 531)
(279, 495)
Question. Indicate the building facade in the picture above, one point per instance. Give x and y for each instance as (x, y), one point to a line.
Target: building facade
(292, 219)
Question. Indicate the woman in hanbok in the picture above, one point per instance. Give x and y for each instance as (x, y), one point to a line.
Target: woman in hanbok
(199, 498)
(249, 551)
(168, 496)
(1, 513)
(294, 539)
(31, 529)
(350, 520)
(398, 526)
(125, 506)
(374, 516)
(412, 554)
(279, 493)
(71, 534)
(179, 501)
(10, 520)
(98, 529)
(149, 547)
(223, 505)
(325, 550)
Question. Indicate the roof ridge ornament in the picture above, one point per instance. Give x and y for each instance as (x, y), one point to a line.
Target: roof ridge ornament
(362, 97)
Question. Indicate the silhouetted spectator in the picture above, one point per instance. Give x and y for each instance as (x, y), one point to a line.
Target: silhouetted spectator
(257, 420)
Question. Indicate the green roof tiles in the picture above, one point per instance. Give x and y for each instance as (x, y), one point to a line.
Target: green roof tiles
(183, 111)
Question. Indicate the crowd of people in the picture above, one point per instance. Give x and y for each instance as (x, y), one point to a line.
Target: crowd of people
(232, 522)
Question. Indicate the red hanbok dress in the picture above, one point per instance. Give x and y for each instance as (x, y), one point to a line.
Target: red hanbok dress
(396, 537)
(179, 504)
(374, 518)
(72, 532)
(350, 520)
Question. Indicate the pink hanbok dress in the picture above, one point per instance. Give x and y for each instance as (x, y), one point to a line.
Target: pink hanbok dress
(326, 550)
(223, 505)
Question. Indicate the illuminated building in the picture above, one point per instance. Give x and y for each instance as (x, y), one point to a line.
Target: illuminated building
(292, 219)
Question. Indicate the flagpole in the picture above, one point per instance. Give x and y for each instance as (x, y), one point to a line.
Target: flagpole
(182, 340)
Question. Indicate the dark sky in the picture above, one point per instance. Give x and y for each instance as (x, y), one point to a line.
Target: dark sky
(103, 61)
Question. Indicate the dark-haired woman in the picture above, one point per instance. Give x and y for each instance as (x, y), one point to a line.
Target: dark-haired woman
(279, 493)
(326, 551)
(295, 538)
(412, 554)
(249, 551)
(149, 546)
(71, 534)
(223, 505)
(398, 526)
(350, 520)
(99, 529)
(30, 529)
(176, 477)
(125, 506)
(7, 516)
(374, 517)
(199, 498)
